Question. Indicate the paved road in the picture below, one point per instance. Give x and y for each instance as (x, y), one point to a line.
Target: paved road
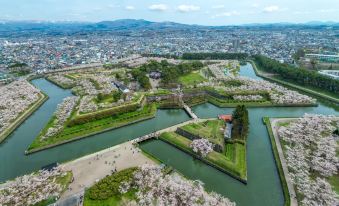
(91, 168)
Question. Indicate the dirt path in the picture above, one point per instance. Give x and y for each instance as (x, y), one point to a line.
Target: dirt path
(275, 127)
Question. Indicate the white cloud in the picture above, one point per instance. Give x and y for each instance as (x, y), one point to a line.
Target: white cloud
(158, 7)
(227, 14)
(129, 7)
(188, 8)
(218, 6)
(272, 8)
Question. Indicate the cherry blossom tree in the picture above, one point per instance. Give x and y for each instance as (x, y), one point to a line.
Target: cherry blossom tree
(202, 146)
(33, 188)
(156, 188)
(310, 149)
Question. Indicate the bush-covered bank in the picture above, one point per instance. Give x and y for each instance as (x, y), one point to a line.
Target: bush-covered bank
(311, 91)
(305, 80)
(266, 121)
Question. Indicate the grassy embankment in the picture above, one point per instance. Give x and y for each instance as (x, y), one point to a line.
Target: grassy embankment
(211, 129)
(90, 128)
(282, 178)
(307, 89)
(23, 116)
(232, 162)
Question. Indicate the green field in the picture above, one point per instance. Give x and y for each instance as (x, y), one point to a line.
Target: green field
(94, 127)
(233, 161)
(210, 129)
(190, 79)
(106, 191)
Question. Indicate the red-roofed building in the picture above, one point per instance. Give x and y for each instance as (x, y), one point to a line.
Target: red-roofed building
(225, 117)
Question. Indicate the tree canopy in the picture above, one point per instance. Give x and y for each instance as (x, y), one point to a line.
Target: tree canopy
(299, 75)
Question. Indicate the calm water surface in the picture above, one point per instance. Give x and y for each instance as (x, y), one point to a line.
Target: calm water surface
(263, 186)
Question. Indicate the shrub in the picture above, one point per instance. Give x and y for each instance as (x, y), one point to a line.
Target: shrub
(109, 186)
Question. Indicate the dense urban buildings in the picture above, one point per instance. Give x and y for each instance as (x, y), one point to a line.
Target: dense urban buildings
(51, 50)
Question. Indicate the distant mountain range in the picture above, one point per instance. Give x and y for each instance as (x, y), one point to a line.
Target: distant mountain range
(129, 24)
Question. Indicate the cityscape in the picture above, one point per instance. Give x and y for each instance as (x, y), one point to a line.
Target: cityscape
(174, 104)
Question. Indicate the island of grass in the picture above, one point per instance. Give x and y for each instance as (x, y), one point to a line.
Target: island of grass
(229, 154)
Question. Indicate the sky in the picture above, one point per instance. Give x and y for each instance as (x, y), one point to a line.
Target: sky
(202, 12)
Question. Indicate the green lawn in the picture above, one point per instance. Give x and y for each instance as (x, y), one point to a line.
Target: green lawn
(191, 79)
(210, 129)
(91, 128)
(234, 162)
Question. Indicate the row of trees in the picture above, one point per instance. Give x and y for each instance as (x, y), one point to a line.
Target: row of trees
(207, 56)
(298, 75)
(240, 123)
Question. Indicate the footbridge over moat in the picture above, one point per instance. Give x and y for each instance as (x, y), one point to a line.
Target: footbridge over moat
(173, 128)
